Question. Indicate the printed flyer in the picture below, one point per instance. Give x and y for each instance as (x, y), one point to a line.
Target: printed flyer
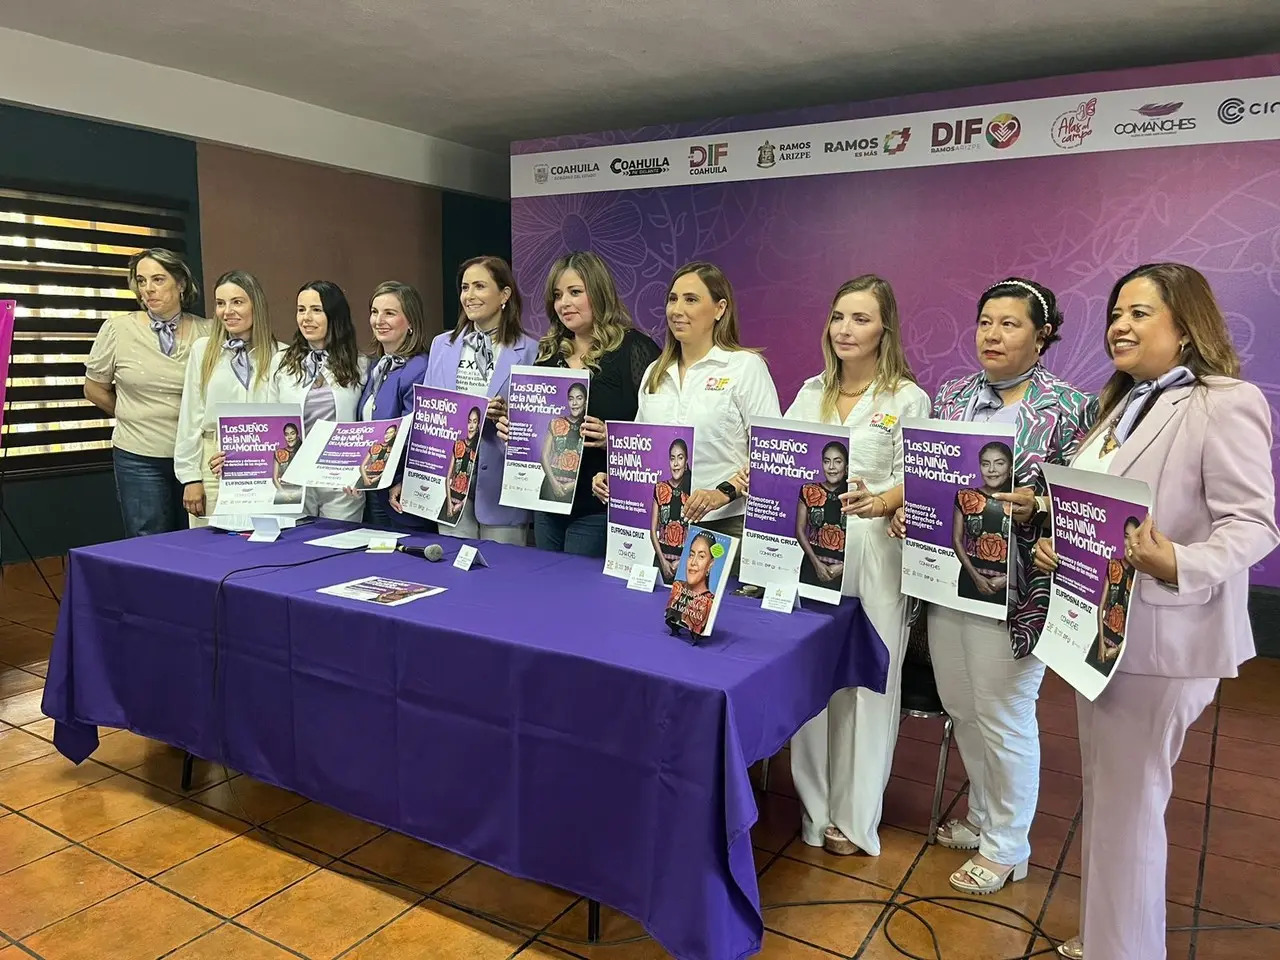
(794, 530)
(1083, 637)
(650, 471)
(362, 455)
(545, 410)
(8, 308)
(958, 550)
(382, 590)
(702, 576)
(443, 450)
(258, 442)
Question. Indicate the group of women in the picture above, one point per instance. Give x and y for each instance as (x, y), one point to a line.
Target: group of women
(162, 371)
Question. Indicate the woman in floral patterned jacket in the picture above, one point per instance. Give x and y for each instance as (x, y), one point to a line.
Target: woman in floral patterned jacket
(986, 679)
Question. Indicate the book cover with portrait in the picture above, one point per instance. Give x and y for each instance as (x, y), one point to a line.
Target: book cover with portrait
(546, 407)
(650, 481)
(442, 454)
(702, 576)
(1092, 514)
(959, 549)
(794, 529)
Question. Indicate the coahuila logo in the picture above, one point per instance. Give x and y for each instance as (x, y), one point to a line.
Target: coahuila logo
(565, 171)
(1003, 131)
(1073, 127)
(1160, 121)
(1233, 109)
(709, 159)
(895, 141)
(862, 147)
(641, 167)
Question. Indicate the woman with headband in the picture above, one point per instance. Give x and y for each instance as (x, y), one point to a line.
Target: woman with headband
(987, 679)
(1176, 415)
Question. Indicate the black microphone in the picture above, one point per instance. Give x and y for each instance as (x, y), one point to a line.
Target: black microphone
(432, 552)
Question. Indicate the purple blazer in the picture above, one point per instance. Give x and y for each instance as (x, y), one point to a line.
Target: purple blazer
(1205, 452)
(442, 372)
(395, 396)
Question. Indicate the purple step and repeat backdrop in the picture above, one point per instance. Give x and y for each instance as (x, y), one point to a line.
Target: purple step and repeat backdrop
(1071, 181)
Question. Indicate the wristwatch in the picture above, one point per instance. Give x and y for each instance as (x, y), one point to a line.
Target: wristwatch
(729, 490)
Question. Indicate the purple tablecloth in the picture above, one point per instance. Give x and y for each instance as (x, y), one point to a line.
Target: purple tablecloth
(537, 717)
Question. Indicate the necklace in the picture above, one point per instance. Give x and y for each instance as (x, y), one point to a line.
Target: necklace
(853, 394)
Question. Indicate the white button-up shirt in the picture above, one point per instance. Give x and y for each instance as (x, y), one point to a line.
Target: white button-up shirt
(720, 395)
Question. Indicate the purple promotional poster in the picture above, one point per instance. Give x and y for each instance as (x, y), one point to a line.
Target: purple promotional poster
(1069, 181)
(7, 310)
(545, 410)
(1083, 637)
(957, 551)
(444, 447)
(258, 441)
(650, 471)
(361, 455)
(794, 531)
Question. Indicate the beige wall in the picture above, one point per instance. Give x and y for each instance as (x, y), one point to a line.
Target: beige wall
(289, 222)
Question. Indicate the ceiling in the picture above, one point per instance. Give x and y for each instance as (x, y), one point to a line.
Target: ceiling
(485, 72)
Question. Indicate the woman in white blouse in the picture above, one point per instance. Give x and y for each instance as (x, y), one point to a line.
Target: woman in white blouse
(841, 759)
(235, 367)
(323, 371)
(135, 373)
(705, 379)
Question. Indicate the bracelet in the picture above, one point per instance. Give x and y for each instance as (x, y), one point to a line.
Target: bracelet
(884, 506)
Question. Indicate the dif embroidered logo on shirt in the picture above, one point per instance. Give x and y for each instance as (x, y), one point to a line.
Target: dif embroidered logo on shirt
(885, 421)
(717, 383)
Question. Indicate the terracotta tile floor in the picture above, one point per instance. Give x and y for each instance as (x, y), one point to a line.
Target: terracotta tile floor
(108, 861)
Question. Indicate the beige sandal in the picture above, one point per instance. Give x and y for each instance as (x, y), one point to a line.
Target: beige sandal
(1073, 949)
(834, 841)
(958, 835)
(977, 879)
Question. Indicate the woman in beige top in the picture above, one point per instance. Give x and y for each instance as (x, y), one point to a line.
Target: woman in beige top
(135, 374)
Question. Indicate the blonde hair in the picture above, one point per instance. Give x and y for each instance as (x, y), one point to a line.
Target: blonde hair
(416, 340)
(262, 342)
(1196, 314)
(723, 335)
(176, 267)
(609, 318)
(892, 367)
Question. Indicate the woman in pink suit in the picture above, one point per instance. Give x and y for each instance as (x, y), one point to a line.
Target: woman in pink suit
(1175, 415)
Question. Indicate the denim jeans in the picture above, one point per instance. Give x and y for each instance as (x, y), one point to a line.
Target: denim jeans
(583, 536)
(149, 494)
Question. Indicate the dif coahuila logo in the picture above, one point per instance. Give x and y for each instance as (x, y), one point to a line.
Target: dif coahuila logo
(1158, 120)
(1001, 132)
(640, 166)
(557, 172)
(708, 159)
(1232, 110)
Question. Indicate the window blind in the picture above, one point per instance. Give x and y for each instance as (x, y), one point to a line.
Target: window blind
(64, 259)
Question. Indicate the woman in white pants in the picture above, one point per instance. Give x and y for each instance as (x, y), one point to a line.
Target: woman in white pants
(841, 759)
(987, 679)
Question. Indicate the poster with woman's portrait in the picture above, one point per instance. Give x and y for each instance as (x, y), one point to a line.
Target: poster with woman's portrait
(441, 457)
(701, 578)
(794, 530)
(650, 471)
(959, 549)
(1092, 513)
(259, 441)
(362, 454)
(545, 409)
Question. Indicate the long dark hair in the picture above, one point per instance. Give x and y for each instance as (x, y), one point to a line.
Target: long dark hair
(1001, 448)
(686, 482)
(510, 328)
(344, 361)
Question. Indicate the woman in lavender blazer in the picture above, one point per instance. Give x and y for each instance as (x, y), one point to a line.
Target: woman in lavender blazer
(476, 357)
(1176, 416)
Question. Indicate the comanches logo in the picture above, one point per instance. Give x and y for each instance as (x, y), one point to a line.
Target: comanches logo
(769, 155)
(1003, 131)
(1233, 110)
(1160, 121)
(641, 167)
(1073, 127)
(862, 147)
(709, 159)
(565, 171)
(896, 140)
